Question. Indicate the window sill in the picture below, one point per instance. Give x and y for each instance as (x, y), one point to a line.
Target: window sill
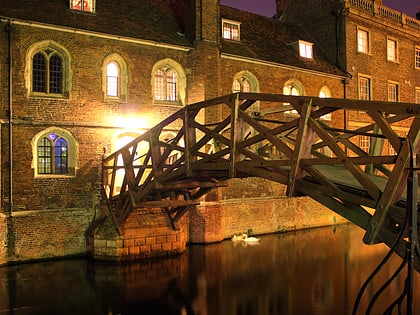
(50, 96)
(166, 103)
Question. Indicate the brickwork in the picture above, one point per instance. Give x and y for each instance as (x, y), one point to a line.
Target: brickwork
(245, 207)
(34, 235)
(145, 235)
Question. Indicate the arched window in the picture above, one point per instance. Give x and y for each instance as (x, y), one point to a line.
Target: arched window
(325, 93)
(165, 85)
(47, 70)
(52, 155)
(55, 153)
(245, 81)
(169, 83)
(293, 87)
(114, 78)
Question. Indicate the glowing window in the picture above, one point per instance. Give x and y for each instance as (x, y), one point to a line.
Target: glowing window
(83, 5)
(363, 42)
(47, 72)
(392, 52)
(165, 85)
(305, 49)
(231, 30)
(241, 85)
(112, 75)
(418, 95)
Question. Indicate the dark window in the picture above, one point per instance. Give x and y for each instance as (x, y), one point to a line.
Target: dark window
(47, 73)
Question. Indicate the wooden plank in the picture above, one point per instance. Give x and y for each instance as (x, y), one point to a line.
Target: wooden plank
(302, 149)
(394, 186)
(361, 177)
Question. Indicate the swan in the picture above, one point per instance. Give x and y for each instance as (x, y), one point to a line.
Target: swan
(236, 238)
(251, 239)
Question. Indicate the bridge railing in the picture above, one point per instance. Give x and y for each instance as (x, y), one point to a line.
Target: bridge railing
(279, 137)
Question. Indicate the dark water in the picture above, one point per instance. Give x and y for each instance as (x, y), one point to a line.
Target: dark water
(318, 271)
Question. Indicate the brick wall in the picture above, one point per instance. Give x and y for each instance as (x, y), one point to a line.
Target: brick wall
(47, 234)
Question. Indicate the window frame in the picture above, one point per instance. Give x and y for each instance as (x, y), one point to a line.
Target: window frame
(417, 57)
(81, 5)
(166, 66)
(122, 79)
(361, 47)
(394, 56)
(48, 48)
(306, 49)
(71, 156)
(395, 91)
(417, 95)
(228, 32)
(367, 79)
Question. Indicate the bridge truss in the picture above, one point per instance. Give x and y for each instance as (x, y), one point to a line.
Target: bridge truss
(359, 171)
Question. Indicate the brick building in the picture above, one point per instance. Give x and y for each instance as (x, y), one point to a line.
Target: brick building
(79, 79)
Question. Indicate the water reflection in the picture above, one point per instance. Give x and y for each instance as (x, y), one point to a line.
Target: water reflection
(308, 272)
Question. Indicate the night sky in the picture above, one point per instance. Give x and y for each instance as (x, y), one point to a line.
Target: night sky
(268, 7)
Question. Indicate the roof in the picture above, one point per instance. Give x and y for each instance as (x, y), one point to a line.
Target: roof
(271, 40)
(151, 20)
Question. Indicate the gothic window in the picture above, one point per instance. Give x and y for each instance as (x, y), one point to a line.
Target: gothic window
(295, 88)
(47, 72)
(114, 78)
(169, 83)
(55, 153)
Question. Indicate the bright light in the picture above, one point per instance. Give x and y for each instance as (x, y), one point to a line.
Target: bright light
(133, 122)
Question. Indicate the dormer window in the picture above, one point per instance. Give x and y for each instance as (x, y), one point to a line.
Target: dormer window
(231, 30)
(305, 49)
(83, 5)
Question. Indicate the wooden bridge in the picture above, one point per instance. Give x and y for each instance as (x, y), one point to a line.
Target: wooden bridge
(359, 171)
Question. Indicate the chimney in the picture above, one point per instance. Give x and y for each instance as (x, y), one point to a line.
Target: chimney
(418, 15)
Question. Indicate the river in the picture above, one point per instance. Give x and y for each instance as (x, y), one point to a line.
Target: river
(317, 271)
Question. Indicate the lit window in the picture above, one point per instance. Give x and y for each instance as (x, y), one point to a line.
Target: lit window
(305, 49)
(325, 93)
(417, 58)
(295, 88)
(364, 88)
(392, 50)
(231, 30)
(47, 72)
(241, 85)
(364, 143)
(52, 155)
(114, 79)
(165, 84)
(112, 75)
(392, 92)
(83, 5)
(363, 41)
(418, 95)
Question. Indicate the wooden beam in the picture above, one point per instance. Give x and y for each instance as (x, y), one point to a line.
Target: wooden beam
(394, 186)
(302, 149)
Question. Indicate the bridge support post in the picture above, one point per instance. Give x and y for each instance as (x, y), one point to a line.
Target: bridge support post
(303, 146)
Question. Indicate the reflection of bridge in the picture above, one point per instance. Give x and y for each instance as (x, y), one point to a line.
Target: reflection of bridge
(302, 142)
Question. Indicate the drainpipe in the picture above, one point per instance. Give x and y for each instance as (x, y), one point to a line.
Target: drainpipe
(10, 68)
